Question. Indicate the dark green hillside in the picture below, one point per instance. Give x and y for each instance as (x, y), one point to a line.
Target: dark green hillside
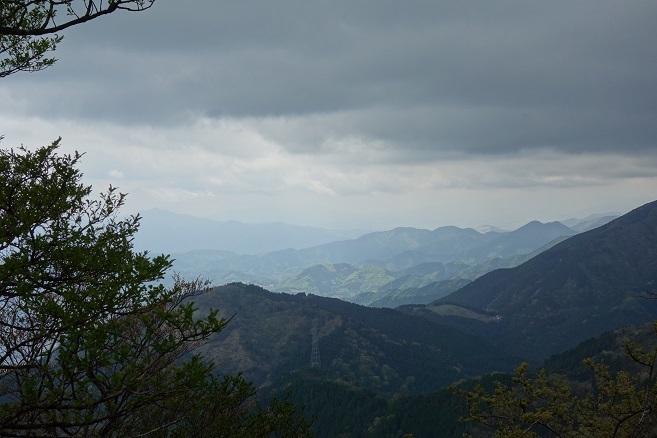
(381, 350)
(608, 347)
(580, 288)
(342, 409)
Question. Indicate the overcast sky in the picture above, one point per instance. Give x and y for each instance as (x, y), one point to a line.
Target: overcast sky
(357, 114)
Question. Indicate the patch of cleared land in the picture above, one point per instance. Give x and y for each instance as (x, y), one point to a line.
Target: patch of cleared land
(452, 310)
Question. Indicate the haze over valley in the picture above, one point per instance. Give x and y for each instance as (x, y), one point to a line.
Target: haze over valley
(385, 268)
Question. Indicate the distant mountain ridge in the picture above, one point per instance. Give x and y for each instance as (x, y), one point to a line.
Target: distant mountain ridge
(456, 255)
(395, 250)
(168, 232)
(590, 222)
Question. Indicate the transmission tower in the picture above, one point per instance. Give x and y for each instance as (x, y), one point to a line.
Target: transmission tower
(314, 355)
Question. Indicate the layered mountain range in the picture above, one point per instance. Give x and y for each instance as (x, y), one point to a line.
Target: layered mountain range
(579, 288)
(584, 292)
(385, 269)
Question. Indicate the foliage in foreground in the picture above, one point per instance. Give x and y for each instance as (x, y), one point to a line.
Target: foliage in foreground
(29, 29)
(620, 404)
(90, 344)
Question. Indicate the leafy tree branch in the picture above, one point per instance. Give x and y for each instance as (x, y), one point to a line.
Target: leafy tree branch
(29, 28)
(620, 404)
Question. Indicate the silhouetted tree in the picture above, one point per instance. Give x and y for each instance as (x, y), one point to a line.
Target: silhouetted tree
(29, 29)
(90, 343)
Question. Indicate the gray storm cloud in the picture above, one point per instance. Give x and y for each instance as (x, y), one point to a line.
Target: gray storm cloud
(424, 78)
(338, 107)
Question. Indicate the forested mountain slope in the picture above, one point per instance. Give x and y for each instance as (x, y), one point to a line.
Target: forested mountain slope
(590, 283)
(383, 350)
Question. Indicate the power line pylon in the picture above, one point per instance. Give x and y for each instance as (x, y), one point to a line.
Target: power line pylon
(314, 355)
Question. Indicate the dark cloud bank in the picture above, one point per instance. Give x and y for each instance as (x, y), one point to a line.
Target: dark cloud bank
(427, 79)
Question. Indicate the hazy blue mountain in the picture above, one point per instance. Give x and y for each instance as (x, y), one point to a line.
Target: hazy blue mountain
(483, 229)
(589, 222)
(408, 281)
(436, 280)
(430, 269)
(413, 295)
(421, 283)
(411, 259)
(592, 223)
(444, 244)
(168, 232)
(442, 254)
(590, 283)
(403, 248)
(524, 240)
(475, 271)
(264, 268)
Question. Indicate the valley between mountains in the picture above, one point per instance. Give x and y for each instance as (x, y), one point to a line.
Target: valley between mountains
(380, 269)
(369, 332)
